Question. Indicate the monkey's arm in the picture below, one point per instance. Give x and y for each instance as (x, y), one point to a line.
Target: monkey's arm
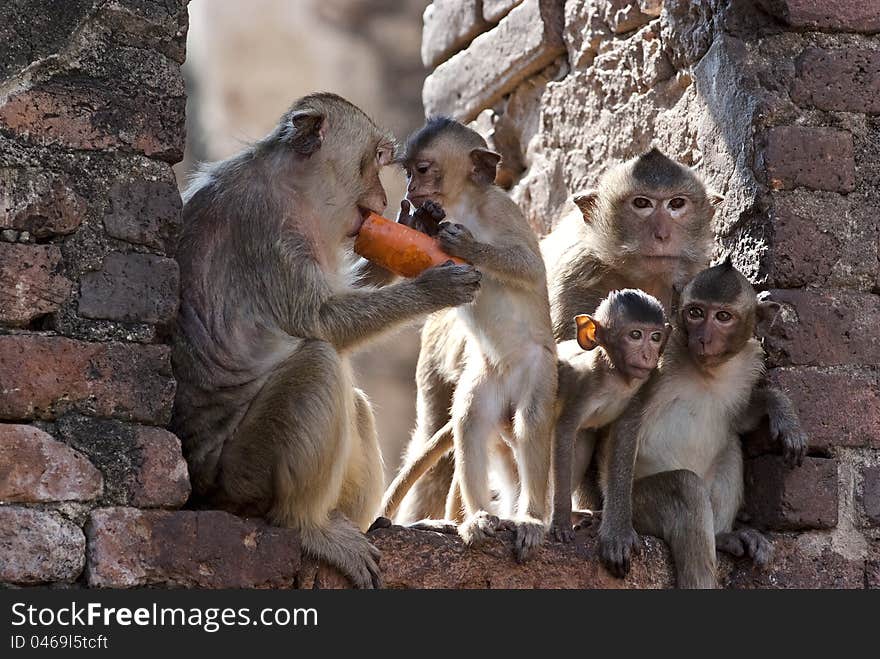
(516, 263)
(348, 318)
(785, 427)
(617, 537)
(563, 444)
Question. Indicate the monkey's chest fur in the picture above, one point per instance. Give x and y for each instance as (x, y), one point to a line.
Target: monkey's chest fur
(688, 420)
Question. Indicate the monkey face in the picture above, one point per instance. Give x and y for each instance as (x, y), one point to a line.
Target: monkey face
(637, 349)
(715, 331)
(424, 178)
(372, 197)
(658, 223)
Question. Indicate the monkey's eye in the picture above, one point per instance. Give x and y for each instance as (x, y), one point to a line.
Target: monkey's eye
(677, 203)
(724, 316)
(635, 334)
(695, 312)
(656, 337)
(422, 167)
(641, 202)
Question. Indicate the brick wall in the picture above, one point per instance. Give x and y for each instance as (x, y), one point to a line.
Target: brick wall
(776, 103)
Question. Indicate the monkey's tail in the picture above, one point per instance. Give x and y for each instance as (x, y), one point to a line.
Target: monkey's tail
(439, 443)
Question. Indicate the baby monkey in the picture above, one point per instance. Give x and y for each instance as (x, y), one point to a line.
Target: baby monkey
(623, 341)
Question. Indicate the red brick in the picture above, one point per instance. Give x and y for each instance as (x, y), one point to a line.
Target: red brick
(145, 213)
(871, 494)
(836, 408)
(845, 80)
(476, 78)
(45, 376)
(142, 466)
(192, 549)
(34, 467)
(847, 16)
(824, 328)
(816, 158)
(67, 113)
(39, 547)
(131, 287)
(789, 499)
(31, 282)
(39, 203)
(795, 564)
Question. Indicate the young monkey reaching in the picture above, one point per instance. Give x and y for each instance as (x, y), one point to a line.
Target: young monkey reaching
(623, 341)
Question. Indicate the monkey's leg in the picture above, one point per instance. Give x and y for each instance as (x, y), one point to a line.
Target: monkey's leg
(454, 504)
(291, 454)
(726, 494)
(675, 506)
(427, 498)
(563, 477)
(476, 411)
(361, 494)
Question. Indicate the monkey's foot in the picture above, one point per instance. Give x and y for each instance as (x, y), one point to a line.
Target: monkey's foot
(437, 525)
(582, 519)
(529, 536)
(746, 541)
(343, 546)
(478, 528)
(380, 523)
(561, 531)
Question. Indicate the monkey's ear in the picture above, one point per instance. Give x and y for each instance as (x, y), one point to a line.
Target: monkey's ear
(767, 310)
(305, 131)
(586, 200)
(485, 164)
(715, 199)
(587, 329)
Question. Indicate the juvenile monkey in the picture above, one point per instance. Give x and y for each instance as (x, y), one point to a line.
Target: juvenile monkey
(673, 465)
(500, 348)
(623, 339)
(266, 408)
(647, 226)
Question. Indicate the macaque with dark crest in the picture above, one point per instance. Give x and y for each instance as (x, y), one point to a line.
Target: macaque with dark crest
(646, 226)
(623, 341)
(500, 348)
(673, 464)
(267, 410)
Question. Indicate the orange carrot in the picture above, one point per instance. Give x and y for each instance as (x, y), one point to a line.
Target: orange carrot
(398, 248)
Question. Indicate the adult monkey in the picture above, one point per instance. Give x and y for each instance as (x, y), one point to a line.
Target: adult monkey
(673, 465)
(266, 408)
(646, 226)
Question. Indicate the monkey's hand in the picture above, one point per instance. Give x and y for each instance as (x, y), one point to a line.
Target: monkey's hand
(787, 431)
(449, 285)
(561, 529)
(529, 537)
(478, 528)
(746, 541)
(616, 549)
(457, 240)
(426, 218)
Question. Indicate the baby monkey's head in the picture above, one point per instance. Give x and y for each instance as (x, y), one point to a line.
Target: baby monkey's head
(630, 326)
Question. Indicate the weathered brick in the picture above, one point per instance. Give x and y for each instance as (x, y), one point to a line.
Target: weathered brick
(824, 328)
(871, 494)
(39, 203)
(142, 466)
(145, 213)
(525, 41)
(790, 499)
(624, 15)
(69, 113)
(194, 549)
(846, 80)
(796, 564)
(823, 239)
(31, 283)
(848, 16)
(34, 467)
(872, 569)
(449, 26)
(131, 287)
(816, 158)
(39, 547)
(836, 408)
(43, 377)
(495, 10)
